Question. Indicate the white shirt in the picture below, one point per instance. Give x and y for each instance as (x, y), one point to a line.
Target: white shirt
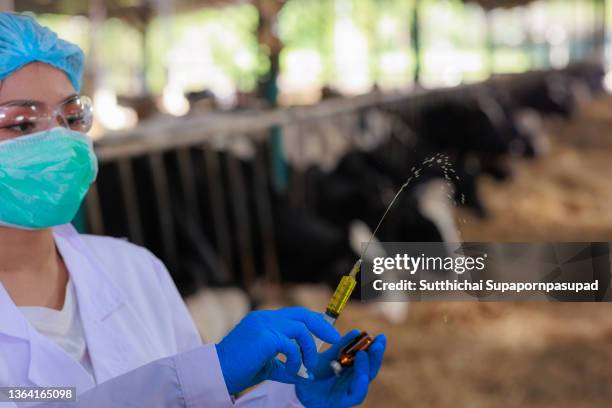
(63, 327)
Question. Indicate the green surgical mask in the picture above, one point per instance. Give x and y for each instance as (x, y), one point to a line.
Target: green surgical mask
(44, 178)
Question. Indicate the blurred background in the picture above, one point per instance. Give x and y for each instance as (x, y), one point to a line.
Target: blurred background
(254, 145)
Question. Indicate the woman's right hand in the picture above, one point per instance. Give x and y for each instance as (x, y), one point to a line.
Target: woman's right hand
(248, 354)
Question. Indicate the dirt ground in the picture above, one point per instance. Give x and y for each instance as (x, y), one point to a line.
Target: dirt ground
(515, 355)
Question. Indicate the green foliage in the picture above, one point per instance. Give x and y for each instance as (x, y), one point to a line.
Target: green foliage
(120, 56)
(72, 28)
(226, 34)
(224, 40)
(307, 24)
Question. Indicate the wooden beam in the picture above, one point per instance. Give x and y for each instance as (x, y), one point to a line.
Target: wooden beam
(172, 133)
(492, 4)
(7, 5)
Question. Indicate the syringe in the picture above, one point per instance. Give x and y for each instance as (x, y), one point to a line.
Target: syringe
(336, 305)
(348, 282)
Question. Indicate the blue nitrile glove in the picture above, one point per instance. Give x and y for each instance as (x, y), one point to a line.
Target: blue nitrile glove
(351, 388)
(248, 354)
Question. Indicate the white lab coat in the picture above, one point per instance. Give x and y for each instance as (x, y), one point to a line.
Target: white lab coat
(132, 315)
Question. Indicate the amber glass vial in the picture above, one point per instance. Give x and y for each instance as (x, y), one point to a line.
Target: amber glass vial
(348, 353)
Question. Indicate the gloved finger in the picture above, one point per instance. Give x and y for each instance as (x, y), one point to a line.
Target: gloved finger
(332, 353)
(358, 387)
(376, 353)
(276, 370)
(314, 322)
(292, 352)
(298, 332)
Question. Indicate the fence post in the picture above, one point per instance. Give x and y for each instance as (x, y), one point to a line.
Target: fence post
(415, 32)
(490, 42)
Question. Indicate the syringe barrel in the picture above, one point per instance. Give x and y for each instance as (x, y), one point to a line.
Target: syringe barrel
(341, 295)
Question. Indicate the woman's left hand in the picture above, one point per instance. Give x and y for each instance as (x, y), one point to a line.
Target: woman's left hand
(351, 387)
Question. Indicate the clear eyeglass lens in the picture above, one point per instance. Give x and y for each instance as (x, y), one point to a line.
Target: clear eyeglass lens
(78, 114)
(19, 120)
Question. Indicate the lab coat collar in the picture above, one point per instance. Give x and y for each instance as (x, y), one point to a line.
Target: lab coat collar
(92, 283)
(45, 356)
(98, 297)
(95, 289)
(12, 323)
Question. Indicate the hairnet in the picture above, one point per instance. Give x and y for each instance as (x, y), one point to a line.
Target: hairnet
(23, 40)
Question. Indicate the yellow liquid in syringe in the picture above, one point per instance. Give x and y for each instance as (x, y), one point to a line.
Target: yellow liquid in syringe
(343, 292)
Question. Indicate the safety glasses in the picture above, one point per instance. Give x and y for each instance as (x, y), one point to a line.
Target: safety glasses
(20, 118)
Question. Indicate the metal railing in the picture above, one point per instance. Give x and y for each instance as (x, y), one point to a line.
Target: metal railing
(146, 172)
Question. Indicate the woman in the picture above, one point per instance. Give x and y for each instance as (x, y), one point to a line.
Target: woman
(103, 315)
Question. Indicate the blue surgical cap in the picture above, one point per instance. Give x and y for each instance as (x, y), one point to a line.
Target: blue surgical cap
(23, 40)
